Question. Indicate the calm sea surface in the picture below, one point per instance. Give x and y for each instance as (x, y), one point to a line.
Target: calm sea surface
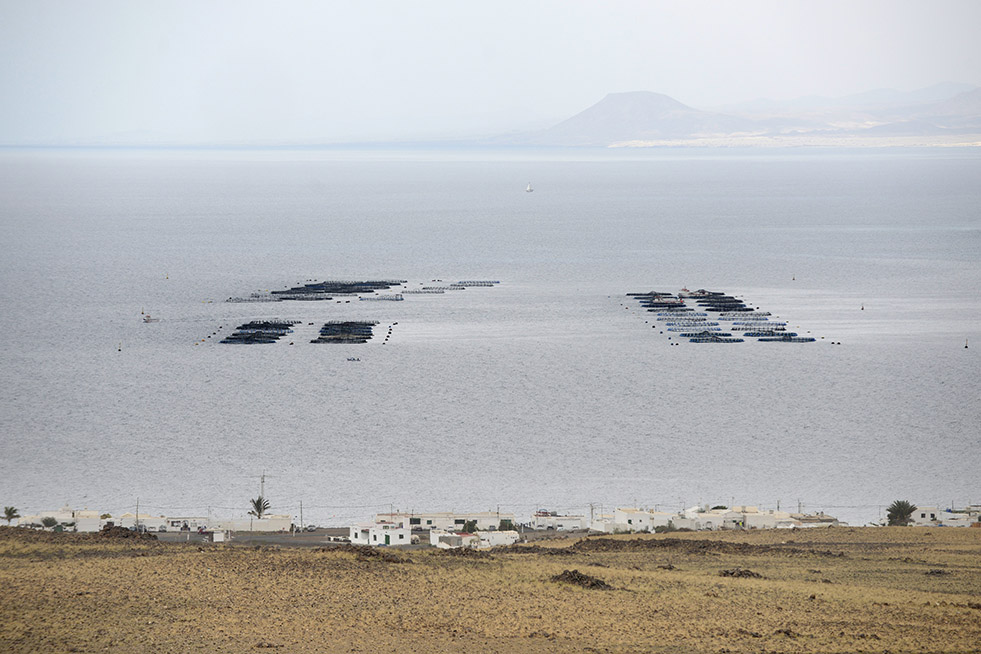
(549, 390)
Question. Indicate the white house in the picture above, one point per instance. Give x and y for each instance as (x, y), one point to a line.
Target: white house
(965, 518)
(268, 522)
(602, 522)
(379, 534)
(151, 522)
(448, 540)
(187, 523)
(819, 519)
(925, 516)
(552, 520)
(702, 518)
(629, 519)
(447, 521)
(496, 538)
(81, 520)
(88, 521)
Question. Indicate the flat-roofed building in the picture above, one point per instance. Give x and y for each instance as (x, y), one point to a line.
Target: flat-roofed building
(447, 521)
(380, 534)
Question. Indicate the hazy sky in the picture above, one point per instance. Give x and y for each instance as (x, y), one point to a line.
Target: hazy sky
(332, 71)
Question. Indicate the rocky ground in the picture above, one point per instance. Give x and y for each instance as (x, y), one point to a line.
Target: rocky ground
(827, 590)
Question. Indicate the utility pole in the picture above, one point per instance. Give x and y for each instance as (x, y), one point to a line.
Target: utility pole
(137, 515)
(301, 514)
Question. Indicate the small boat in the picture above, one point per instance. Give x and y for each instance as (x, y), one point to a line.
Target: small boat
(147, 318)
(529, 189)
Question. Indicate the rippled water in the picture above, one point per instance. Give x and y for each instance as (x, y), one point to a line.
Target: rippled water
(547, 390)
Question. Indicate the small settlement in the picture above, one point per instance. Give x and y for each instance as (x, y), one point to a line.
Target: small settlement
(479, 530)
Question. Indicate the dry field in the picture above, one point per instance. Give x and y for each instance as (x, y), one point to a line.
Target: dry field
(822, 590)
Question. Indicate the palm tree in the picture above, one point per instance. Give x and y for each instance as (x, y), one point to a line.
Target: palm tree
(259, 507)
(899, 513)
(10, 513)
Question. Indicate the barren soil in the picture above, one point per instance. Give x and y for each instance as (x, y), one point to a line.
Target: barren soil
(820, 590)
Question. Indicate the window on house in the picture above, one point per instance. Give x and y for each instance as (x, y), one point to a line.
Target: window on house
(429, 522)
(415, 521)
(630, 522)
(922, 515)
(401, 536)
(460, 522)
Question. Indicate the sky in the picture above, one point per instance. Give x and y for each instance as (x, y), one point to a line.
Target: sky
(235, 71)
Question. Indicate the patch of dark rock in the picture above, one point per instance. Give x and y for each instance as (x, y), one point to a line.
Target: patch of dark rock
(535, 549)
(464, 553)
(936, 572)
(690, 546)
(740, 572)
(366, 553)
(583, 580)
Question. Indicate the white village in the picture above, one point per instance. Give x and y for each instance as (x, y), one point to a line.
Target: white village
(474, 530)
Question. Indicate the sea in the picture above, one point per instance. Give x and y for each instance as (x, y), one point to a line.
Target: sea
(551, 389)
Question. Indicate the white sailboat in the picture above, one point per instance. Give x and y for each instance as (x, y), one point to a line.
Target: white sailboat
(529, 189)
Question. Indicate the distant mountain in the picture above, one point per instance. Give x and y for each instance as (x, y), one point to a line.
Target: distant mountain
(941, 114)
(639, 115)
(963, 104)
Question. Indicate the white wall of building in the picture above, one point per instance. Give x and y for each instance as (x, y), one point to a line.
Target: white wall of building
(272, 522)
(629, 519)
(559, 522)
(450, 539)
(380, 535)
(449, 521)
(496, 538)
(925, 516)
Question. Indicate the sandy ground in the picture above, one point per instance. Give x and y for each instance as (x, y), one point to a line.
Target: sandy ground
(828, 590)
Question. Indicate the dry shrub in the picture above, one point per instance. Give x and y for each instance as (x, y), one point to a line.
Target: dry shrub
(115, 531)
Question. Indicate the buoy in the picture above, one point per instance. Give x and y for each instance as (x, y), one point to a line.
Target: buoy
(863, 307)
(965, 343)
(120, 348)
